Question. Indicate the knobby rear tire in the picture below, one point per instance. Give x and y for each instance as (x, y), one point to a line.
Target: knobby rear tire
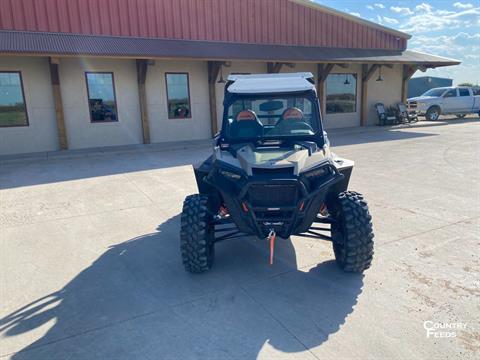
(197, 235)
(352, 233)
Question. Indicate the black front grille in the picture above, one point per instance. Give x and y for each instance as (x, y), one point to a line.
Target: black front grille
(283, 171)
(272, 195)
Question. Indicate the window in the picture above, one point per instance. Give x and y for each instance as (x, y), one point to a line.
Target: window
(101, 97)
(476, 91)
(341, 93)
(239, 105)
(13, 111)
(271, 117)
(464, 92)
(451, 93)
(436, 92)
(178, 95)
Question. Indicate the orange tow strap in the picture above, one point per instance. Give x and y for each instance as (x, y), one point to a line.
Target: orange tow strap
(272, 237)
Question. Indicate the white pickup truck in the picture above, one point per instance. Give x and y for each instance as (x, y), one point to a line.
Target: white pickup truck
(459, 101)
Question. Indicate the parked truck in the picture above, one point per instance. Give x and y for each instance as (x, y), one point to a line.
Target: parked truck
(458, 101)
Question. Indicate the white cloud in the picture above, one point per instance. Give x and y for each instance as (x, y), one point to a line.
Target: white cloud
(462, 46)
(444, 12)
(369, 7)
(473, 57)
(386, 20)
(460, 5)
(379, 5)
(427, 19)
(460, 43)
(424, 7)
(390, 20)
(401, 10)
(354, 13)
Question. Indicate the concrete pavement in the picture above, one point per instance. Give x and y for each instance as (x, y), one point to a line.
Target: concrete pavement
(91, 265)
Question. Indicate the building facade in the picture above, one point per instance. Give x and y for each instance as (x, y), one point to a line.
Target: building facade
(77, 74)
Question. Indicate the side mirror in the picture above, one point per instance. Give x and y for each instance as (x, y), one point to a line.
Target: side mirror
(325, 139)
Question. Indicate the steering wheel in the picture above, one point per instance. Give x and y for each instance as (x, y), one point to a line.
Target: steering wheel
(297, 125)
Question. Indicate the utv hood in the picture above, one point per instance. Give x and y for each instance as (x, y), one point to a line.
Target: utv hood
(249, 157)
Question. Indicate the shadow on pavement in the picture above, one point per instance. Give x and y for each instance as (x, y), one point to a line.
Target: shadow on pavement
(35, 172)
(136, 301)
(390, 134)
(372, 134)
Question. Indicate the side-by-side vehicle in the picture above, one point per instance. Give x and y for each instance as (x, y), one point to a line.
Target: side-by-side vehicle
(271, 174)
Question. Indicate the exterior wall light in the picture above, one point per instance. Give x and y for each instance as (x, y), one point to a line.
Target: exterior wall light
(221, 80)
(380, 77)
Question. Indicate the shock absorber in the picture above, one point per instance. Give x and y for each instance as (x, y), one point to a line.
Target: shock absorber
(271, 238)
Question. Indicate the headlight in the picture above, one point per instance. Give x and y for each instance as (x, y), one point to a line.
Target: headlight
(318, 172)
(229, 175)
(314, 178)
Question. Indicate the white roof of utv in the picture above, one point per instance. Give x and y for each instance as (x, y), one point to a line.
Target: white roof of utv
(270, 83)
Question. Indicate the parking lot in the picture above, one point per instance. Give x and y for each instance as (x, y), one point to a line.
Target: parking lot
(90, 263)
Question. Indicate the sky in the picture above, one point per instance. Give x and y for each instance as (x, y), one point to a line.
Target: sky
(439, 27)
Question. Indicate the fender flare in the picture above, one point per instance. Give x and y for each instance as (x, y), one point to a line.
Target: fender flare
(435, 105)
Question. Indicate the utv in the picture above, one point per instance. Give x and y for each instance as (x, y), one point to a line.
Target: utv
(272, 173)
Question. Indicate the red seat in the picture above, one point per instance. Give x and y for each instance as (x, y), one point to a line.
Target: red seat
(292, 113)
(246, 125)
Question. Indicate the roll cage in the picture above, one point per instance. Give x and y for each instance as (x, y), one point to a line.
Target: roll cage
(230, 98)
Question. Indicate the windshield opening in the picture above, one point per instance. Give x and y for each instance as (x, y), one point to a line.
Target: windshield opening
(271, 117)
(434, 92)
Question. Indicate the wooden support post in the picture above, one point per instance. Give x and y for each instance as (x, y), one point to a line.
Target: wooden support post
(321, 88)
(363, 101)
(274, 68)
(322, 72)
(367, 73)
(408, 71)
(57, 98)
(142, 66)
(213, 70)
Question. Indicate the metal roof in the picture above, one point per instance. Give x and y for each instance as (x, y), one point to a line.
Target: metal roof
(62, 44)
(270, 83)
(281, 22)
(327, 9)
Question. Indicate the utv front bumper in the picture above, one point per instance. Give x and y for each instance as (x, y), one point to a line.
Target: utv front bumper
(284, 203)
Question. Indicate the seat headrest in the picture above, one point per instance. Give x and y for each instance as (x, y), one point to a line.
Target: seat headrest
(246, 115)
(292, 113)
(246, 125)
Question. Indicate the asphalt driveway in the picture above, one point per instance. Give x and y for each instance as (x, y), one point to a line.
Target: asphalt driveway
(90, 264)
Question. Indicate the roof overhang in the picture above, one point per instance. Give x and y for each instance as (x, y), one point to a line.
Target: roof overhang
(63, 44)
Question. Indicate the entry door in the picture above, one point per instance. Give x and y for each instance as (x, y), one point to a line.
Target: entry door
(465, 100)
(451, 101)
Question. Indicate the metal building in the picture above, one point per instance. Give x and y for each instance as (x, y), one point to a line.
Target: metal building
(418, 85)
(78, 74)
